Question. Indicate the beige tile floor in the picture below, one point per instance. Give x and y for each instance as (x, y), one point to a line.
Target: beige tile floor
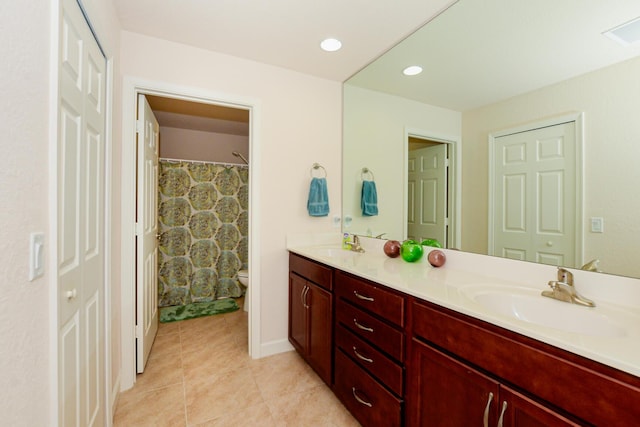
(199, 374)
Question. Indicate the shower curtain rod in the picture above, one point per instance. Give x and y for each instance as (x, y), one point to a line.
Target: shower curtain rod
(203, 162)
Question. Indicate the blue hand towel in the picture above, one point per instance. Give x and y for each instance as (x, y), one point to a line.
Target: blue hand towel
(318, 202)
(369, 201)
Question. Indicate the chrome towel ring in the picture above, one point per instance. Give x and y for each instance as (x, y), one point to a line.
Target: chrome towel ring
(365, 172)
(316, 167)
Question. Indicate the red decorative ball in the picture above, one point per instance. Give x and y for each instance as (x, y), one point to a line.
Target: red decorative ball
(392, 248)
(437, 258)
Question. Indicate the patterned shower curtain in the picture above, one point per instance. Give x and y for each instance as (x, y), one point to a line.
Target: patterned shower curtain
(204, 227)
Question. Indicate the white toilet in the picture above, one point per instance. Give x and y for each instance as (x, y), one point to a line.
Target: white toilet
(243, 278)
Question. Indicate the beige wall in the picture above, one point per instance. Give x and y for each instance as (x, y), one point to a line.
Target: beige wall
(24, 312)
(26, 30)
(610, 99)
(300, 124)
(189, 144)
(374, 136)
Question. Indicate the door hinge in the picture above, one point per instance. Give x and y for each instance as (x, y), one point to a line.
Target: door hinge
(138, 228)
(446, 163)
(139, 126)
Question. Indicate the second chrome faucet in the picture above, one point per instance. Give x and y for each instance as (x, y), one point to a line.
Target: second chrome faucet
(563, 289)
(355, 245)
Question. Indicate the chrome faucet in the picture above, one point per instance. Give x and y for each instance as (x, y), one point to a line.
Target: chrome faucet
(563, 290)
(355, 244)
(379, 236)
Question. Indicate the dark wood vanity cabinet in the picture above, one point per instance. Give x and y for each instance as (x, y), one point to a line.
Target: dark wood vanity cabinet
(396, 360)
(444, 391)
(369, 350)
(311, 313)
(455, 361)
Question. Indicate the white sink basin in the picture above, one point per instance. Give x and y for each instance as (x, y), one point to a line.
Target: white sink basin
(529, 306)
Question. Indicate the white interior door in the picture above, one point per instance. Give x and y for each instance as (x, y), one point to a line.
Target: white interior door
(81, 222)
(427, 194)
(535, 195)
(146, 232)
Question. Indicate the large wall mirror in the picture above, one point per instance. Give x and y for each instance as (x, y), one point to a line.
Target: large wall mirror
(495, 68)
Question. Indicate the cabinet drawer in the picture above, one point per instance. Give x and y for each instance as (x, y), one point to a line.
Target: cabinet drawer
(382, 302)
(314, 272)
(377, 332)
(369, 402)
(368, 357)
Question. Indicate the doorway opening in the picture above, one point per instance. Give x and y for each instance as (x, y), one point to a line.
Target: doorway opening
(198, 241)
(198, 110)
(432, 195)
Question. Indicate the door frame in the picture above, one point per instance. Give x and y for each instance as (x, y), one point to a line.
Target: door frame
(454, 175)
(133, 86)
(578, 119)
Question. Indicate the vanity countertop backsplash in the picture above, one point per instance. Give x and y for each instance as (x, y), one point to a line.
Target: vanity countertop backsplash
(482, 286)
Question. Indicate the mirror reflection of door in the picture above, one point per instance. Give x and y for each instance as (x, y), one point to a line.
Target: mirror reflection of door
(534, 195)
(427, 190)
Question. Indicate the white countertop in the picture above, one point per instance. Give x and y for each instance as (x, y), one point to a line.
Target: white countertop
(453, 286)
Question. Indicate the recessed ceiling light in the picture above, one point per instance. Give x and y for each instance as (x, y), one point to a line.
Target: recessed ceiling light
(331, 45)
(625, 34)
(412, 70)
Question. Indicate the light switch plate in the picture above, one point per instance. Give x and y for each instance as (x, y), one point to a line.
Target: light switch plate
(36, 255)
(597, 225)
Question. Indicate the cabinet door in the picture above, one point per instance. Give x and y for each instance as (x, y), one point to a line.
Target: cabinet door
(524, 412)
(319, 318)
(444, 392)
(298, 313)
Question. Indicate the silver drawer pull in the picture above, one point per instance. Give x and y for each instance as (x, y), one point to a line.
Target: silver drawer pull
(486, 411)
(364, 328)
(364, 402)
(362, 296)
(501, 419)
(361, 357)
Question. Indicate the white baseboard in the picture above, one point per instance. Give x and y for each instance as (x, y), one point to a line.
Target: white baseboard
(274, 347)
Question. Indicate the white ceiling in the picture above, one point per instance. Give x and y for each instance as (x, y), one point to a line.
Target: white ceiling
(284, 33)
(494, 38)
(480, 52)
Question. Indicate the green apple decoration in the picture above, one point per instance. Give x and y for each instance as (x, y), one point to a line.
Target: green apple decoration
(411, 251)
(431, 242)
